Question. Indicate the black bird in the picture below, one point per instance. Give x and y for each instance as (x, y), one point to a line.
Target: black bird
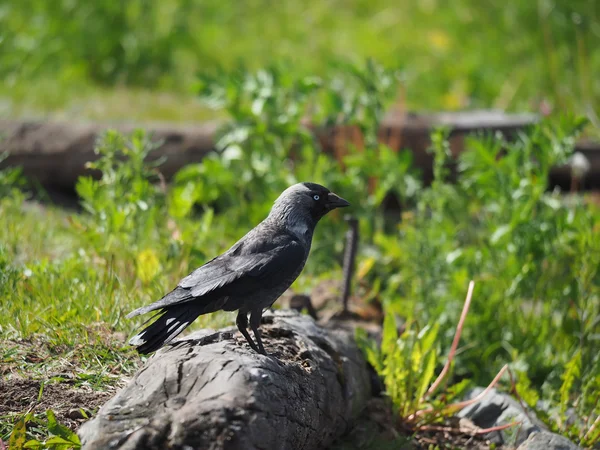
(248, 277)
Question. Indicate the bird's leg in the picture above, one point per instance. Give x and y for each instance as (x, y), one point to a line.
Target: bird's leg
(254, 323)
(242, 323)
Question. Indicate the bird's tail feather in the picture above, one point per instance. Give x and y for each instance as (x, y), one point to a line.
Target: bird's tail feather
(176, 296)
(168, 325)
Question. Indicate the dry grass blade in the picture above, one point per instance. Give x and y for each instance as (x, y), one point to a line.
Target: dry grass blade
(461, 405)
(459, 328)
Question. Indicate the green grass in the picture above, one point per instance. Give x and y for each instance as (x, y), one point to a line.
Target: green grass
(454, 55)
(47, 99)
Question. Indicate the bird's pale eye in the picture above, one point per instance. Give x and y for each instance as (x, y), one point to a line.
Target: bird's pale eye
(316, 197)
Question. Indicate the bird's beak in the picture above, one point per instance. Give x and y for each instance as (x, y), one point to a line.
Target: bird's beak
(335, 201)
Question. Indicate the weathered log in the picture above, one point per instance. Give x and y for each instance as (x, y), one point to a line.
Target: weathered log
(211, 391)
(54, 153)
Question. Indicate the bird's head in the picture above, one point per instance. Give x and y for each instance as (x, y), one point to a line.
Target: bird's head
(304, 204)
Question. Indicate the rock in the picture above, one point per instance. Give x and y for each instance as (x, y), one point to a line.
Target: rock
(545, 440)
(497, 408)
(78, 413)
(211, 391)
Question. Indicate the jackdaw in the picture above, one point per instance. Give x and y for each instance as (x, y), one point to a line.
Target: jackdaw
(250, 276)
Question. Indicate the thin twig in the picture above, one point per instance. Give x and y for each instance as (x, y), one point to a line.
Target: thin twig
(497, 428)
(162, 181)
(468, 432)
(463, 404)
(513, 387)
(459, 328)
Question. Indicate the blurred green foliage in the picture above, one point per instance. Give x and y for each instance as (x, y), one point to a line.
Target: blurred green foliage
(462, 54)
(532, 254)
(124, 203)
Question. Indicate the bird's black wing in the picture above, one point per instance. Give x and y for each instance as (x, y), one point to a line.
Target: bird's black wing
(248, 265)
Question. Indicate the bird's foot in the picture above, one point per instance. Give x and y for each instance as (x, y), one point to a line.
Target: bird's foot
(261, 350)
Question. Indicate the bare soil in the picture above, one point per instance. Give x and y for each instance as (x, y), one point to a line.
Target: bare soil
(19, 396)
(37, 375)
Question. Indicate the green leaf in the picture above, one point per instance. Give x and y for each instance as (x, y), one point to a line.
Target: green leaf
(390, 334)
(60, 430)
(428, 336)
(525, 391)
(427, 374)
(499, 233)
(572, 372)
(369, 348)
(59, 443)
(18, 437)
(457, 390)
(86, 187)
(365, 267)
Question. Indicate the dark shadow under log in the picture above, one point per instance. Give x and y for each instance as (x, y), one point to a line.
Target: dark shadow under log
(211, 391)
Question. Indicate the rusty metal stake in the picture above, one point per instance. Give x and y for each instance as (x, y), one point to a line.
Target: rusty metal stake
(349, 257)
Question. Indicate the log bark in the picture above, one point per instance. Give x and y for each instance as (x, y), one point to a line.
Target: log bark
(54, 153)
(211, 391)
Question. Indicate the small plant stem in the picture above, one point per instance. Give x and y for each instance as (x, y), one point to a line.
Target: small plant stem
(589, 432)
(459, 328)
(349, 258)
(513, 386)
(574, 183)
